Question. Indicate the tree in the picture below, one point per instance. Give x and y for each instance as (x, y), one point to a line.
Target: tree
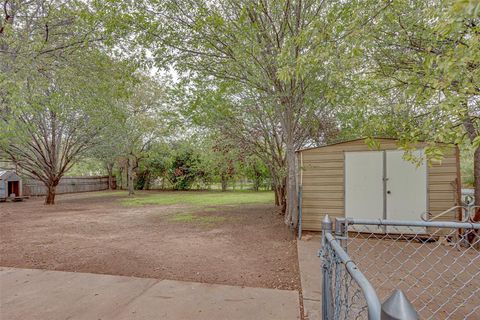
(220, 158)
(59, 118)
(256, 170)
(184, 166)
(248, 120)
(154, 165)
(285, 51)
(56, 84)
(143, 124)
(424, 57)
(109, 146)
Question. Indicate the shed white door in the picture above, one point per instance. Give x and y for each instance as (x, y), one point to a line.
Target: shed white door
(402, 197)
(406, 188)
(364, 184)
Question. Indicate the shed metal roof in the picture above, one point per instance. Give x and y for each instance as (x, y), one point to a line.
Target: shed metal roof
(357, 139)
(340, 142)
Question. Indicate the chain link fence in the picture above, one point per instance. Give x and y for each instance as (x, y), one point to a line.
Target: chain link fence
(344, 286)
(436, 265)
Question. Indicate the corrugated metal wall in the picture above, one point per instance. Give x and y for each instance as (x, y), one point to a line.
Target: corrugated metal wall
(67, 185)
(322, 176)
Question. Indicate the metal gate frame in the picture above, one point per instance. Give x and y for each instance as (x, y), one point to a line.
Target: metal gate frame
(346, 291)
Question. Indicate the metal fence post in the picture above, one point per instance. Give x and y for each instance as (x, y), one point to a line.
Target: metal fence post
(397, 307)
(340, 227)
(300, 212)
(326, 285)
(341, 232)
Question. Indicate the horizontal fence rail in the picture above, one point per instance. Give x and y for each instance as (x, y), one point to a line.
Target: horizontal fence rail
(67, 185)
(407, 223)
(435, 264)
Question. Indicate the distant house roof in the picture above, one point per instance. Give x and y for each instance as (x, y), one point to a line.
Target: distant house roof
(5, 174)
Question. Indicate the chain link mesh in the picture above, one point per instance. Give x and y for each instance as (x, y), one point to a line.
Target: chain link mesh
(347, 299)
(438, 269)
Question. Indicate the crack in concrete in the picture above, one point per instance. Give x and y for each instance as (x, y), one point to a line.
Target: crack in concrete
(131, 300)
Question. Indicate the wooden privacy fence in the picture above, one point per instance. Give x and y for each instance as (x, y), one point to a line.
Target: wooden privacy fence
(33, 187)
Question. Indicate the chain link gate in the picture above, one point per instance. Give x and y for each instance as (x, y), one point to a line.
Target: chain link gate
(435, 266)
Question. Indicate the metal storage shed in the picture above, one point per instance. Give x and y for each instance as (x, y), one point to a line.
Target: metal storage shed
(349, 179)
(10, 183)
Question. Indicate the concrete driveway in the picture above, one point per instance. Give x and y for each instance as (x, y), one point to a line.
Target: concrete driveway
(38, 294)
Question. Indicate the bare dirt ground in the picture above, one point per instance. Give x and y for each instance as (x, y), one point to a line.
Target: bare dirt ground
(245, 245)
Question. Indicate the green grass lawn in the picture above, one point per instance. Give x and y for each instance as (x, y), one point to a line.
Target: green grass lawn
(199, 198)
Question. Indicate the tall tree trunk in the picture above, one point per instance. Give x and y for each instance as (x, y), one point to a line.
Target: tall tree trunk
(473, 235)
(280, 197)
(120, 169)
(256, 183)
(125, 170)
(476, 182)
(224, 182)
(277, 196)
(110, 176)
(146, 186)
(291, 213)
(51, 192)
(257, 179)
(130, 177)
(472, 134)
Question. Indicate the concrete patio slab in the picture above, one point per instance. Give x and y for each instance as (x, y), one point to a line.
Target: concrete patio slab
(312, 309)
(184, 300)
(310, 276)
(38, 294)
